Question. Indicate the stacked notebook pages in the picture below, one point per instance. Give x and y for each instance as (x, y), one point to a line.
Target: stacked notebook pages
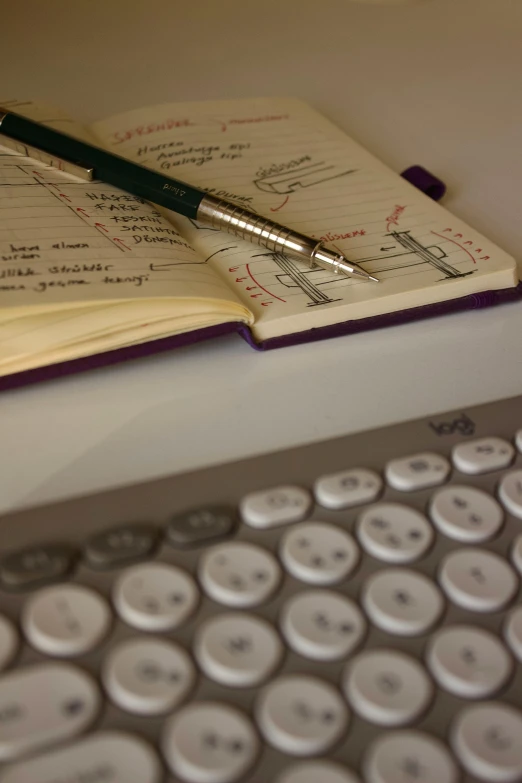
(90, 275)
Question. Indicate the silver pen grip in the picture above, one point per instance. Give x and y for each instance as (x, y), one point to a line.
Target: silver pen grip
(276, 238)
(264, 232)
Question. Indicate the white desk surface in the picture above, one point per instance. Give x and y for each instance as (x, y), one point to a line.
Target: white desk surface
(435, 82)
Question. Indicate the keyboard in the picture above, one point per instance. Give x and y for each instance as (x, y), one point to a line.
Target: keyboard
(343, 612)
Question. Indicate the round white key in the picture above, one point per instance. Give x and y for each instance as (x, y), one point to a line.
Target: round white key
(417, 471)
(322, 625)
(513, 632)
(516, 553)
(409, 757)
(487, 741)
(348, 488)
(466, 514)
(65, 620)
(477, 580)
(108, 756)
(387, 687)
(483, 455)
(402, 601)
(394, 533)
(147, 676)
(276, 506)
(319, 553)
(155, 596)
(237, 649)
(468, 661)
(510, 492)
(301, 715)
(240, 575)
(8, 642)
(317, 771)
(208, 742)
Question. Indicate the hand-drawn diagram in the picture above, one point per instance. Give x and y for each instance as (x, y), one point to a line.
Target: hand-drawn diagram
(409, 252)
(431, 254)
(295, 276)
(288, 181)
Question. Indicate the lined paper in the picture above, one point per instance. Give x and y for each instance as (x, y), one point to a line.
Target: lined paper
(282, 160)
(64, 241)
(85, 267)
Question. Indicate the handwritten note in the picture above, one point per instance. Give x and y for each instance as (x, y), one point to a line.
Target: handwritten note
(85, 267)
(64, 241)
(281, 159)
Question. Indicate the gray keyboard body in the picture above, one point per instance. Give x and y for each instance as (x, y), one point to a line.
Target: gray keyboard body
(53, 545)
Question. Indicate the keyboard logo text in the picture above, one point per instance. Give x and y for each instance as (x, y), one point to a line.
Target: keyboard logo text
(463, 425)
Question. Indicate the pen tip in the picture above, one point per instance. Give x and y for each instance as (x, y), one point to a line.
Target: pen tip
(375, 279)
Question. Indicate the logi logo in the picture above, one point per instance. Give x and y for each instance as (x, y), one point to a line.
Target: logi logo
(463, 425)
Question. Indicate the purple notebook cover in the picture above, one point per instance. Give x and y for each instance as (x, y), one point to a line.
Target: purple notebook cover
(51, 372)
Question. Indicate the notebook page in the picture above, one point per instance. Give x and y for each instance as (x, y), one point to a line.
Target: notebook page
(283, 160)
(82, 331)
(64, 242)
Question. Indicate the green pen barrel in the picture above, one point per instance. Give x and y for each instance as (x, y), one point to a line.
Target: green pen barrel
(107, 167)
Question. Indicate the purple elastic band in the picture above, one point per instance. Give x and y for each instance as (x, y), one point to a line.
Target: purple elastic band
(423, 180)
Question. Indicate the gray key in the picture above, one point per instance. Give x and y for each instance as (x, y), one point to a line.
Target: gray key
(31, 567)
(196, 527)
(123, 544)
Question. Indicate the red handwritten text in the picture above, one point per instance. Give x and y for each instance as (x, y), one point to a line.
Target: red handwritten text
(471, 248)
(393, 219)
(145, 130)
(268, 118)
(260, 291)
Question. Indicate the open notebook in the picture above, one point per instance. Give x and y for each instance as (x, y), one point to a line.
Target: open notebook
(90, 275)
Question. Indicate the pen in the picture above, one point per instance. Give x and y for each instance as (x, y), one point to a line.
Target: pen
(88, 162)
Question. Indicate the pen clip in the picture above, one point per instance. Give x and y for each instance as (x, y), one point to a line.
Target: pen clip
(86, 174)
